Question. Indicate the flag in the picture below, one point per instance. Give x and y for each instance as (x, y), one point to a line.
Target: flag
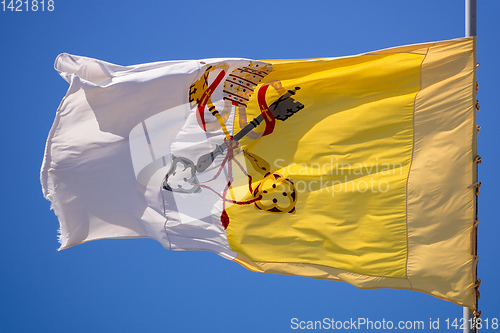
(359, 169)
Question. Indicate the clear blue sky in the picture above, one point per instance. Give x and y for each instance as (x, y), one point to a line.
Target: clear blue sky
(137, 285)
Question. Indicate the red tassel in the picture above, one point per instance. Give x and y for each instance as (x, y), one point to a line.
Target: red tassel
(224, 218)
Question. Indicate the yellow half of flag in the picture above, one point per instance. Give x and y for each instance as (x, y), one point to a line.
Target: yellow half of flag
(381, 157)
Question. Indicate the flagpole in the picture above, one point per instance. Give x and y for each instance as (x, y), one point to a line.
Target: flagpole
(470, 30)
(470, 18)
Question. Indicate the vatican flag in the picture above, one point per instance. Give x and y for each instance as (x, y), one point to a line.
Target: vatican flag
(359, 169)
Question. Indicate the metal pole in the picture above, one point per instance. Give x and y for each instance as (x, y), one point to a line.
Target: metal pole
(470, 18)
(468, 318)
(470, 30)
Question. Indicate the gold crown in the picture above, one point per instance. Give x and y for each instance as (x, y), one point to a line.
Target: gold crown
(240, 84)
